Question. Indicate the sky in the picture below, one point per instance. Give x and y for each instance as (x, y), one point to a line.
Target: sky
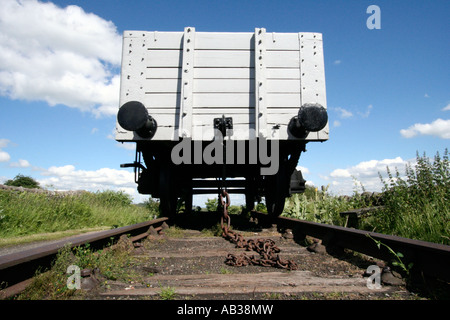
(387, 88)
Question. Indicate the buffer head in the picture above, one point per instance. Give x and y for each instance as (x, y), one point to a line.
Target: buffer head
(133, 116)
(312, 117)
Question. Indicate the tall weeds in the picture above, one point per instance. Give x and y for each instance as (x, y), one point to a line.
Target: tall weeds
(319, 206)
(418, 204)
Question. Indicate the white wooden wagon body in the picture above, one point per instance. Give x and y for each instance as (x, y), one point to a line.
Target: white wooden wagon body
(176, 85)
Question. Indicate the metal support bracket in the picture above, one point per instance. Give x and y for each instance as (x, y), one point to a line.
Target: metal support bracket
(137, 165)
(223, 124)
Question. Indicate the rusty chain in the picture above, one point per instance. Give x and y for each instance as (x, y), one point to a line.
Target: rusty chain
(266, 248)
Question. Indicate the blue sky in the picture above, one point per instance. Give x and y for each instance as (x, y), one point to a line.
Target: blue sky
(387, 89)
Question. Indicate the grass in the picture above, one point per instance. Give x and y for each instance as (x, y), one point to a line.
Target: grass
(167, 293)
(52, 284)
(23, 214)
(48, 236)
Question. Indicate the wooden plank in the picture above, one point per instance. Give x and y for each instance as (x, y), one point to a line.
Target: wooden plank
(224, 73)
(224, 41)
(220, 58)
(283, 86)
(283, 100)
(280, 110)
(224, 86)
(283, 73)
(224, 100)
(161, 100)
(163, 58)
(164, 40)
(163, 73)
(281, 41)
(282, 59)
(162, 85)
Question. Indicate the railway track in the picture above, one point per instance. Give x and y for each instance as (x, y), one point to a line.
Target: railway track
(191, 265)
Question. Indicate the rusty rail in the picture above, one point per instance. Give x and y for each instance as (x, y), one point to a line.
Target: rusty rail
(17, 268)
(428, 258)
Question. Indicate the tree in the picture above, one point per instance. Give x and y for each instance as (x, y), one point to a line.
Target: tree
(211, 204)
(22, 181)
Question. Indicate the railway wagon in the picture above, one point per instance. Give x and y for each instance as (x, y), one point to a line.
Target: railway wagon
(213, 110)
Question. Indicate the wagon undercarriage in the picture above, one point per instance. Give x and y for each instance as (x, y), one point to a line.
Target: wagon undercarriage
(161, 178)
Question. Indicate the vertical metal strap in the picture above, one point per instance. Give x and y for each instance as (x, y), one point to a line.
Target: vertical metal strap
(260, 82)
(187, 79)
(302, 63)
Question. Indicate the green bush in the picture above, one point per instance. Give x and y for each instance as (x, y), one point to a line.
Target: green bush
(22, 181)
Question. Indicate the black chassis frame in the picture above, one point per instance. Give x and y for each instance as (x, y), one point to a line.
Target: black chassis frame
(163, 179)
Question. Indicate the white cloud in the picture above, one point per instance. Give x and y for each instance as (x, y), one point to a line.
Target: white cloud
(439, 128)
(342, 181)
(340, 173)
(59, 55)
(69, 178)
(304, 170)
(337, 62)
(367, 112)
(20, 164)
(446, 108)
(4, 156)
(426, 95)
(4, 143)
(344, 113)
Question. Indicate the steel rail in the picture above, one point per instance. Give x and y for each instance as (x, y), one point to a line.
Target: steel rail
(428, 258)
(20, 266)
